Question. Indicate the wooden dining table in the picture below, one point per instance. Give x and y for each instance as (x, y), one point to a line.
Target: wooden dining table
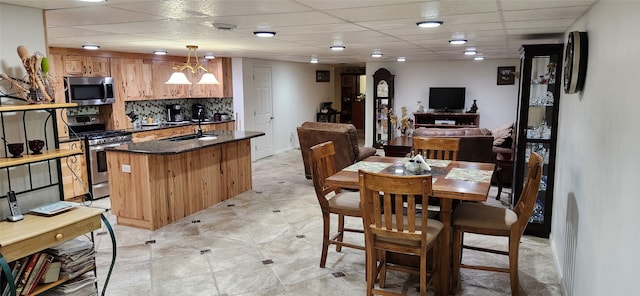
(453, 180)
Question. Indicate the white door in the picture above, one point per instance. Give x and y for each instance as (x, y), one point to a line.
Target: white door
(262, 112)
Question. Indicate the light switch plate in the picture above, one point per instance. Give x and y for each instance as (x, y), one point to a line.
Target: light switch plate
(126, 168)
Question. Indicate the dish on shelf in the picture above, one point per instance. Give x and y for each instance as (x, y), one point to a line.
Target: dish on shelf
(151, 124)
(16, 149)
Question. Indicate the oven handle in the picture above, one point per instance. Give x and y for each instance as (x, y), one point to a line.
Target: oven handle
(101, 147)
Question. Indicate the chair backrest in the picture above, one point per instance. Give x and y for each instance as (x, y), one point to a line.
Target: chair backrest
(382, 198)
(343, 136)
(437, 148)
(527, 199)
(321, 158)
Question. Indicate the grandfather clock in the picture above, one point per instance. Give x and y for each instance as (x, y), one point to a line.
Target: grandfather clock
(383, 130)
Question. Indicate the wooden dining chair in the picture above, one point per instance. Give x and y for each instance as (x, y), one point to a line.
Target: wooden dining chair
(332, 200)
(496, 221)
(437, 148)
(392, 224)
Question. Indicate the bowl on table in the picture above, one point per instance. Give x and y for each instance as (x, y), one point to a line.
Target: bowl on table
(16, 149)
(36, 146)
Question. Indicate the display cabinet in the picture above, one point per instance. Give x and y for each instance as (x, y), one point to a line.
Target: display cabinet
(383, 128)
(537, 123)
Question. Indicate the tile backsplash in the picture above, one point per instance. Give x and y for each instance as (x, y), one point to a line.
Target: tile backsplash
(156, 109)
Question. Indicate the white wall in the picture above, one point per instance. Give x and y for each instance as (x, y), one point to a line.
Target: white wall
(296, 97)
(22, 26)
(497, 104)
(595, 221)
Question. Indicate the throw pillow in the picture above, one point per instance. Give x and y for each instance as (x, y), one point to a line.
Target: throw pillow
(501, 133)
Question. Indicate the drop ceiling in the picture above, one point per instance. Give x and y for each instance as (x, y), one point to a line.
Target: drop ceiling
(307, 28)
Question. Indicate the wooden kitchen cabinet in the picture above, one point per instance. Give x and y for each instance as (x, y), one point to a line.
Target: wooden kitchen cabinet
(162, 71)
(207, 90)
(86, 66)
(74, 167)
(134, 79)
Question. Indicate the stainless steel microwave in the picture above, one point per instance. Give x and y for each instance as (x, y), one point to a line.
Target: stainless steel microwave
(89, 91)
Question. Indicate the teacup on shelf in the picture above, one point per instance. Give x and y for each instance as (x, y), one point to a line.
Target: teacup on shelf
(36, 146)
(16, 149)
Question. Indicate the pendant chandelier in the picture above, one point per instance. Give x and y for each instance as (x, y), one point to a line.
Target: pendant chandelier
(178, 77)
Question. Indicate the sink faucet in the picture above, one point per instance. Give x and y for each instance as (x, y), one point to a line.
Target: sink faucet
(199, 114)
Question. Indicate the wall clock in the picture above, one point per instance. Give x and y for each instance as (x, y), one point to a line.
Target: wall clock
(575, 62)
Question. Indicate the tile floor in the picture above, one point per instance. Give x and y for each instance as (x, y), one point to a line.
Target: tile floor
(267, 242)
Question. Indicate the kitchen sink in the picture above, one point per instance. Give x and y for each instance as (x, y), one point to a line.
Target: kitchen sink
(191, 137)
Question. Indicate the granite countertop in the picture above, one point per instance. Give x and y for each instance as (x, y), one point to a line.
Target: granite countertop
(166, 146)
(164, 125)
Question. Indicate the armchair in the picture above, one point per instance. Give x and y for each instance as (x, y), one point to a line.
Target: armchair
(344, 137)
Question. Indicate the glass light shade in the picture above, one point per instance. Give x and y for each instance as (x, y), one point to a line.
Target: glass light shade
(178, 78)
(429, 24)
(208, 78)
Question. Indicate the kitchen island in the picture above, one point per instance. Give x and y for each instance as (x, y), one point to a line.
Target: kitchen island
(155, 183)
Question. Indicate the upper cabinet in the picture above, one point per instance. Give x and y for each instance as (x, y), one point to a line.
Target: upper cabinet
(208, 90)
(162, 71)
(86, 66)
(134, 79)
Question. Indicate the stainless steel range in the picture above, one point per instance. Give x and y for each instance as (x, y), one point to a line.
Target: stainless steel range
(92, 130)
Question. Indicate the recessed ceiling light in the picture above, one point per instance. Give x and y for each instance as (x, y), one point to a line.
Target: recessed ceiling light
(429, 24)
(376, 55)
(91, 46)
(224, 27)
(337, 47)
(457, 41)
(209, 56)
(264, 33)
(470, 52)
(313, 61)
(160, 52)
(478, 58)
(402, 59)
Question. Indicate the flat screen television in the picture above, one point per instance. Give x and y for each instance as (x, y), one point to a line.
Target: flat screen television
(447, 99)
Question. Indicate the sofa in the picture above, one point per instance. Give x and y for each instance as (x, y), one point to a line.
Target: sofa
(475, 143)
(345, 141)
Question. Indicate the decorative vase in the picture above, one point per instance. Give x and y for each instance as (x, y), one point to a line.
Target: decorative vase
(474, 107)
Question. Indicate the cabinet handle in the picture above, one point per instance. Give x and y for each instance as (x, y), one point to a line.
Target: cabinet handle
(90, 70)
(84, 69)
(59, 236)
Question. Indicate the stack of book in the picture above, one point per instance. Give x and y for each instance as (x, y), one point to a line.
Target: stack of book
(28, 272)
(70, 260)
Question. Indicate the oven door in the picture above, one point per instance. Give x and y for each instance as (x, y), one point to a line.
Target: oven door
(98, 159)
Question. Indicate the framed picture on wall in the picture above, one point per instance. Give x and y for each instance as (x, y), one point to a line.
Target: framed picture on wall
(322, 76)
(506, 75)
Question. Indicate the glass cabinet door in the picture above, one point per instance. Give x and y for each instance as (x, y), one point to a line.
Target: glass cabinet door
(537, 126)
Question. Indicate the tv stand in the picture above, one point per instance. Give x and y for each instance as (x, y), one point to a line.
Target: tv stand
(446, 120)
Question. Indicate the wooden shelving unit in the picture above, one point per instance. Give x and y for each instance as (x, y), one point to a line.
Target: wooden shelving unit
(458, 120)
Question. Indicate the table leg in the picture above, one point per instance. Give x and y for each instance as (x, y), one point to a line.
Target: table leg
(445, 275)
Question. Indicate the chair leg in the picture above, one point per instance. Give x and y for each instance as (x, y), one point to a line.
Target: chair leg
(325, 238)
(340, 232)
(423, 273)
(382, 255)
(371, 258)
(513, 266)
(457, 258)
(499, 170)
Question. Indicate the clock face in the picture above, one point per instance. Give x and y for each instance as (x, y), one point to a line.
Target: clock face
(575, 62)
